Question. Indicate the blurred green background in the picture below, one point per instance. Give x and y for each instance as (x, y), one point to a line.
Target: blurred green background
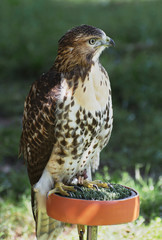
(29, 32)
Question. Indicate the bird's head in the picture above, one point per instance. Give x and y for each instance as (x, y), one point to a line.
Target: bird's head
(81, 46)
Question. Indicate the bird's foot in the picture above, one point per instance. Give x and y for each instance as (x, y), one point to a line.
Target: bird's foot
(62, 189)
(81, 231)
(94, 184)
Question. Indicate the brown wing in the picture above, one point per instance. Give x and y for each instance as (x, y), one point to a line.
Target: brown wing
(37, 137)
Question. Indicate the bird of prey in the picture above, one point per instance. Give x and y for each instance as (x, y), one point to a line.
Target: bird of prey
(67, 121)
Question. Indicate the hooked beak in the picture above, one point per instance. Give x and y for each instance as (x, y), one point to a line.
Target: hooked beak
(108, 42)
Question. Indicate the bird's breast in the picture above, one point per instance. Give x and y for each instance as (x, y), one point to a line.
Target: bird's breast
(92, 93)
(83, 120)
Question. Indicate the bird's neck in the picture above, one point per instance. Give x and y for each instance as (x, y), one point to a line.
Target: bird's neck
(71, 73)
(72, 62)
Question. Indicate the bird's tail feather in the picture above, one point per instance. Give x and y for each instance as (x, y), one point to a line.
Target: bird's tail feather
(46, 228)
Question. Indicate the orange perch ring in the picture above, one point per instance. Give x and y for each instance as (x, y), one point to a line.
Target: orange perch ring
(93, 212)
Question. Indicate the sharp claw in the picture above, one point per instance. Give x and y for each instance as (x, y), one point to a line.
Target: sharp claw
(78, 188)
(95, 186)
(70, 194)
(110, 186)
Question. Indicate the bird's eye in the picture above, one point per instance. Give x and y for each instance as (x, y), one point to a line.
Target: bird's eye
(92, 41)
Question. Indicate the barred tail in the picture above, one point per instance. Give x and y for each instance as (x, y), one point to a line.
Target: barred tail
(46, 228)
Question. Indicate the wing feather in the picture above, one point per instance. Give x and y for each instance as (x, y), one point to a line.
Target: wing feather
(37, 137)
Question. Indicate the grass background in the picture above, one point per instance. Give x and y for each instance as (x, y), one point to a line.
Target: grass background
(29, 34)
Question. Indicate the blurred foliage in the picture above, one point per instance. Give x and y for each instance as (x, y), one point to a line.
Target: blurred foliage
(30, 31)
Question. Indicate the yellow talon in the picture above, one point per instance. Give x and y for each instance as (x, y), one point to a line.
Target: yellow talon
(92, 184)
(62, 189)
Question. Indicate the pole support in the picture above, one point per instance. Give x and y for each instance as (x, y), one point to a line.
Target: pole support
(92, 232)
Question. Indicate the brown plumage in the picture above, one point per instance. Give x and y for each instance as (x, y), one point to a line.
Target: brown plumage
(67, 119)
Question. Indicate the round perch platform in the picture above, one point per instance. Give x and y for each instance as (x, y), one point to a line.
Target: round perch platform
(93, 212)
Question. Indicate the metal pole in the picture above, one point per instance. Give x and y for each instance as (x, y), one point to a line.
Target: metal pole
(92, 232)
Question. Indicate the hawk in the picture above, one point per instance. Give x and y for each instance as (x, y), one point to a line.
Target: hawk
(67, 121)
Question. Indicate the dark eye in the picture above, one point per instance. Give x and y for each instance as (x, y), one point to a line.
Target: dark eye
(92, 41)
